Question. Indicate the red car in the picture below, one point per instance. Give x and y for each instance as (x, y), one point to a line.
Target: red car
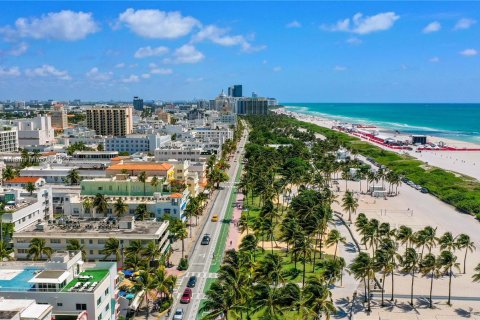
(187, 296)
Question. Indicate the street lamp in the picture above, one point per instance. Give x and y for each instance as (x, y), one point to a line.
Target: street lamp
(353, 303)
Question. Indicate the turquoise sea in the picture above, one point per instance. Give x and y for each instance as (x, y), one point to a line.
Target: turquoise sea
(454, 121)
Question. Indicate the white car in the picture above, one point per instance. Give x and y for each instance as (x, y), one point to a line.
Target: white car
(178, 314)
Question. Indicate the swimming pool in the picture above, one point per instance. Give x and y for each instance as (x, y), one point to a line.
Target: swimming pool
(16, 280)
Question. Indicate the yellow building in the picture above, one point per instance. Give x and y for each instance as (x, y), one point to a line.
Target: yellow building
(150, 168)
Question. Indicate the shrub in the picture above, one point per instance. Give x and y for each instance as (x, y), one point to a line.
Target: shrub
(183, 265)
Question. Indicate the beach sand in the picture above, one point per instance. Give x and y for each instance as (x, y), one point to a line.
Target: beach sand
(463, 162)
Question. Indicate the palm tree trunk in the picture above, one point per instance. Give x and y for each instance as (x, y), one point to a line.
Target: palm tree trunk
(383, 288)
(368, 297)
(183, 247)
(449, 286)
(365, 288)
(335, 255)
(391, 299)
(465, 261)
(431, 289)
(304, 267)
(411, 289)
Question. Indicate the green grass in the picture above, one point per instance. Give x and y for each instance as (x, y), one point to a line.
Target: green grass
(457, 190)
(222, 237)
(98, 276)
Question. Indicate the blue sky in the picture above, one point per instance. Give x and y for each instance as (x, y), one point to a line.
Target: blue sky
(295, 51)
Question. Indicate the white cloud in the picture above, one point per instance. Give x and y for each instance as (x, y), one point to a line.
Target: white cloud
(185, 54)
(464, 23)
(469, 52)
(9, 72)
(361, 24)
(120, 65)
(434, 59)
(63, 25)
(157, 24)
(47, 70)
(18, 50)
(148, 51)
(221, 37)
(146, 76)
(95, 75)
(190, 80)
(277, 69)
(340, 68)
(161, 71)
(131, 79)
(294, 24)
(432, 27)
(354, 41)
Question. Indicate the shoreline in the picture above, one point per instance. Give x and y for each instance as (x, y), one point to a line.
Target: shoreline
(462, 162)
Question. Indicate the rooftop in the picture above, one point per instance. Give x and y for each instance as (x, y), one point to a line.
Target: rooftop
(23, 180)
(86, 276)
(141, 166)
(102, 228)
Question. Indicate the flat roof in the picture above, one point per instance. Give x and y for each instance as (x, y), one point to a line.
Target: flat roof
(36, 311)
(146, 166)
(94, 274)
(50, 276)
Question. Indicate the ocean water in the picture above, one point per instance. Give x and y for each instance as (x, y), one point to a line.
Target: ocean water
(454, 121)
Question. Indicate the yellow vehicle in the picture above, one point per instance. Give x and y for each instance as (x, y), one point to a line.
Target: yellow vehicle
(215, 218)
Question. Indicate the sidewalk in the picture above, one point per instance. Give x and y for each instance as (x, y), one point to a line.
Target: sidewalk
(234, 235)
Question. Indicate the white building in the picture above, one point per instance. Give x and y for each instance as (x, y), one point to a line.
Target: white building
(220, 135)
(66, 283)
(92, 235)
(57, 174)
(24, 309)
(178, 152)
(134, 143)
(23, 209)
(8, 139)
(35, 132)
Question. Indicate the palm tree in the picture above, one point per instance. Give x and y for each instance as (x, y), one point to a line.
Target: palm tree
(429, 267)
(219, 302)
(334, 238)
(5, 251)
(141, 211)
(112, 248)
(427, 238)
(182, 234)
(270, 271)
(135, 248)
(145, 281)
(38, 248)
(406, 236)
(36, 156)
(120, 207)
(164, 283)
(75, 245)
(268, 301)
(142, 177)
(318, 299)
(151, 251)
(155, 182)
(464, 242)
(249, 244)
(409, 262)
(350, 204)
(73, 177)
(362, 267)
(383, 263)
(30, 187)
(8, 173)
(87, 204)
(447, 242)
(100, 203)
(447, 260)
(476, 275)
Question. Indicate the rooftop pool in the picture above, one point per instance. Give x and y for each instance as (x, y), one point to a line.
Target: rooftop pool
(16, 279)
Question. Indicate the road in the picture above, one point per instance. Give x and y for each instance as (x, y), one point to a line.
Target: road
(202, 255)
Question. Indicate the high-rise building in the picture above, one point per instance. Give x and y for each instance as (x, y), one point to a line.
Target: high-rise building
(8, 139)
(59, 117)
(110, 120)
(137, 103)
(35, 132)
(237, 91)
(252, 106)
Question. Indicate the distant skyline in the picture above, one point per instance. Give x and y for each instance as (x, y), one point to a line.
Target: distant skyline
(294, 51)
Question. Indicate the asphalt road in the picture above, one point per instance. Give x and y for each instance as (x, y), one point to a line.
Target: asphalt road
(202, 256)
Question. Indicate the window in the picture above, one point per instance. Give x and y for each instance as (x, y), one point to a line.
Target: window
(106, 291)
(107, 307)
(91, 251)
(81, 306)
(99, 317)
(99, 300)
(90, 241)
(55, 241)
(59, 304)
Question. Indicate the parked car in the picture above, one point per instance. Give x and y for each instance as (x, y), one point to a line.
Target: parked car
(205, 239)
(178, 315)
(192, 281)
(424, 190)
(418, 187)
(187, 296)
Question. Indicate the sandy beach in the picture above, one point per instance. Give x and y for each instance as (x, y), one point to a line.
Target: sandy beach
(463, 162)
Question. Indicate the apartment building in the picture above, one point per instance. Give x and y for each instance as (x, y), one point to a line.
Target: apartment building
(59, 117)
(206, 134)
(35, 132)
(134, 143)
(8, 139)
(92, 234)
(22, 182)
(24, 309)
(57, 174)
(183, 174)
(180, 153)
(110, 120)
(161, 170)
(71, 287)
(24, 209)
